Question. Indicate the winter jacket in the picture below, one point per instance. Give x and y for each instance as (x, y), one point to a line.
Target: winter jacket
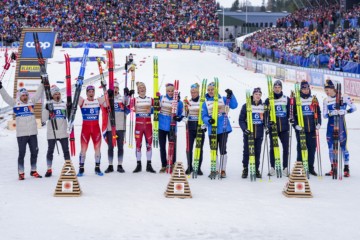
(308, 114)
(282, 111)
(60, 118)
(207, 113)
(257, 117)
(24, 112)
(165, 112)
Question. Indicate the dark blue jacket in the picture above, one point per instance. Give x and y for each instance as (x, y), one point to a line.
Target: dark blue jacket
(258, 120)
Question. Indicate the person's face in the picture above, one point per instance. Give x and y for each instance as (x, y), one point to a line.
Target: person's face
(90, 94)
(116, 90)
(277, 89)
(194, 92)
(305, 90)
(210, 91)
(57, 96)
(170, 91)
(24, 98)
(257, 96)
(142, 90)
(330, 92)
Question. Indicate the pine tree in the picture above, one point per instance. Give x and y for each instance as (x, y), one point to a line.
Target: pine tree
(235, 6)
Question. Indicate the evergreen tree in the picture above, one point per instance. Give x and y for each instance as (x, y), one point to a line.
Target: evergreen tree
(235, 6)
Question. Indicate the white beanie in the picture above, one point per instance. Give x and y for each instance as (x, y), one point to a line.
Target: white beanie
(54, 89)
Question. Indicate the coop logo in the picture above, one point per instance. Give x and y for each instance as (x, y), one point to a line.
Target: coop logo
(47, 43)
(43, 45)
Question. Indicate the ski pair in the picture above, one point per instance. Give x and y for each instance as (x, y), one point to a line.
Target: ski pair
(69, 102)
(156, 103)
(251, 140)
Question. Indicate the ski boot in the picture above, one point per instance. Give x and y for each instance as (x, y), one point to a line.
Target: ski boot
(149, 168)
(162, 170)
(245, 172)
(346, 171)
(138, 167)
(312, 171)
(223, 174)
(35, 174)
(272, 172)
(258, 174)
(188, 171)
(200, 173)
(81, 172)
(331, 172)
(285, 172)
(109, 169)
(21, 176)
(48, 173)
(213, 175)
(120, 169)
(98, 171)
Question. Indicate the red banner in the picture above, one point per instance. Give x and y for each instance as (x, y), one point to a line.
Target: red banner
(352, 87)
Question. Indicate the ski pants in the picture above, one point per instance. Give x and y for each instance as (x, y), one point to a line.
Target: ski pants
(90, 131)
(143, 128)
(192, 140)
(162, 143)
(342, 141)
(257, 148)
(284, 139)
(51, 147)
(33, 145)
(120, 146)
(221, 142)
(311, 147)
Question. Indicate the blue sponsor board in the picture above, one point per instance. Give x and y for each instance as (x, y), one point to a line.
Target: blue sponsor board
(316, 78)
(47, 43)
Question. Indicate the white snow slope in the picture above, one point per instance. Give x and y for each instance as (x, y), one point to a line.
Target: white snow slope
(133, 206)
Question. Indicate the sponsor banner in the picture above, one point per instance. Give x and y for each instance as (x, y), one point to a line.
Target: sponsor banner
(241, 61)
(29, 69)
(269, 69)
(173, 46)
(161, 45)
(259, 67)
(108, 46)
(185, 47)
(301, 75)
(248, 64)
(290, 75)
(280, 72)
(89, 59)
(352, 87)
(195, 47)
(29, 84)
(316, 79)
(47, 43)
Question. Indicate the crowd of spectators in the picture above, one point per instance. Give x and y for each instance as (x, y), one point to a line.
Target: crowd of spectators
(112, 20)
(312, 31)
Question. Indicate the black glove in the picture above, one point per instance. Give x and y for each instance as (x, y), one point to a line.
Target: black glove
(177, 118)
(270, 124)
(229, 93)
(291, 120)
(247, 132)
(179, 97)
(0, 85)
(203, 130)
(126, 91)
(47, 106)
(131, 92)
(211, 121)
(13, 56)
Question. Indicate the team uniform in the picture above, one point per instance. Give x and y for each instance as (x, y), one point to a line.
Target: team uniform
(164, 126)
(26, 127)
(258, 133)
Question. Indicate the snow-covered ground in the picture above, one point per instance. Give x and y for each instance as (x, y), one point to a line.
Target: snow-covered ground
(132, 206)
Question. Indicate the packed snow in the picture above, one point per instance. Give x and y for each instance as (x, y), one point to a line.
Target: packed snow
(133, 206)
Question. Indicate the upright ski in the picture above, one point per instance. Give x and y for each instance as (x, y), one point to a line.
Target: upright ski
(132, 107)
(199, 132)
(251, 140)
(156, 104)
(336, 132)
(172, 133)
(300, 117)
(213, 133)
(69, 103)
(78, 87)
(315, 106)
(274, 134)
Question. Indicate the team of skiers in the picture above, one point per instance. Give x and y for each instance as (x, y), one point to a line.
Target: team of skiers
(143, 107)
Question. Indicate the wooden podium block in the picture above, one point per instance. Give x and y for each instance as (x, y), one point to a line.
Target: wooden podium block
(298, 184)
(68, 184)
(178, 186)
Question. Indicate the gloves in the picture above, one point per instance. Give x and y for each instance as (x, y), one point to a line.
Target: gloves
(247, 132)
(333, 113)
(204, 128)
(270, 124)
(47, 106)
(291, 120)
(158, 94)
(297, 127)
(318, 126)
(211, 121)
(13, 56)
(131, 92)
(341, 112)
(177, 118)
(0, 85)
(185, 119)
(126, 91)
(229, 93)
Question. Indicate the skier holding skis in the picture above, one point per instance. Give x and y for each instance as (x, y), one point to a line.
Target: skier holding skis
(309, 125)
(329, 111)
(222, 134)
(143, 126)
(257, 109)
(26, 127)
(165, 120)
(120, 107)
(90, 109)
(282, 111)
(191, 112)
(61, 134)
